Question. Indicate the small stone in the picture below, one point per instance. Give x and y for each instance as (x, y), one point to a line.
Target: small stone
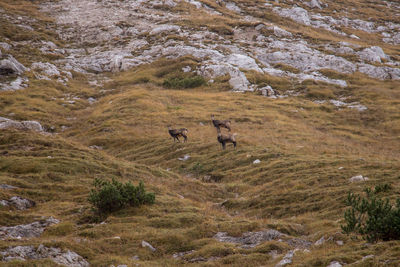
(287, 259)
(186, 69)
(339, 243)
(147, 245)
(334, 264)
(184, 158)
(358, 178)
(320, 241)
(7, 187)
(257, 161)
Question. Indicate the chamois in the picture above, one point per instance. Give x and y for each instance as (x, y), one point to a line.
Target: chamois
(175, 133)
(226, 138)
(219, 123)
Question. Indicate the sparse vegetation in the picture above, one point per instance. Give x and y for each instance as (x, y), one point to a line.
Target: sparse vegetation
(184, 82)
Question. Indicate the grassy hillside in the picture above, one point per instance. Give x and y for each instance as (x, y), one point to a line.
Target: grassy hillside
(308, 152)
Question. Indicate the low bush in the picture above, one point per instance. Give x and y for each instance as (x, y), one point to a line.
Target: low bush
(373, 217)
(111, 196)
(186, 82)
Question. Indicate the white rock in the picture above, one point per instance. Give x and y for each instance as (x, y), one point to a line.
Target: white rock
(165, 28)
(47, 69)
(268, 91)
(257, 161)
(373, 54)
(320, 241)
(186, 69)
(279, 32)
(297, 14)
(5, 46)
(184, 158)
(233, 7)
(287, 259)
(68, 258)
(10, 65)
(334, 264)
(34, 229)
(243, 62)
(354, 36)
(315, 4)
(24, 125)
(147, 245)
(339, 243)
(358, 178)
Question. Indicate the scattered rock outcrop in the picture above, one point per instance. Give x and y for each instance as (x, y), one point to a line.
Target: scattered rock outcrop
(66, 258)
(253, 239)
(7, 187)
(287, 259)
(20, 125)
(34, 229)
(18, 202)
(10, 66)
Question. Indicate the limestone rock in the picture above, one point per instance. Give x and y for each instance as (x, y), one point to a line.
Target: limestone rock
(373, 54)
(6, 186)
(10, 66)
(287, 259)
(268, 91)
(19, 203)
(233, 7)
(334, 264)
(315, 4)
(320, 241)
(358, 178)
(24, 125)
(66, 258)
(147, 245)
(165, 28)
(5, 46)
(250, 239)
(46, 69)
(34, 229)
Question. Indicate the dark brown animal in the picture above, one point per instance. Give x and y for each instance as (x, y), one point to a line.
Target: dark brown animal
(219, 123)
(226, 138)
(176, 133)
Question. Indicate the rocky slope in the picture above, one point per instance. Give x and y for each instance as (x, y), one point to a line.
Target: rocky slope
(87, 88)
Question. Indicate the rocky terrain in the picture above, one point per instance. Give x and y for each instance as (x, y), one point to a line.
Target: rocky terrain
(87, 88)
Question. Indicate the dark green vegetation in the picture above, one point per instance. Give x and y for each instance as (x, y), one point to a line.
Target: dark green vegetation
(373, 217)
(112, 196)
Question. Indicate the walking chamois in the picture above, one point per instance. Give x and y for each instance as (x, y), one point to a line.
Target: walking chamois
(219, 123)
(176, 133)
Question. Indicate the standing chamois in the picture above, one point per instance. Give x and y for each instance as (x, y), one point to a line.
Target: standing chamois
(175, 133)
(226, 138)
(218, 123)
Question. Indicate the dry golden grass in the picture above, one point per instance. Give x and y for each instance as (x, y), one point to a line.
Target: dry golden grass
(297, 188)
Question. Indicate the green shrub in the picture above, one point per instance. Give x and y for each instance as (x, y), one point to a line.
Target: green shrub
(111, 196)
(186, 82)
(373, 217)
